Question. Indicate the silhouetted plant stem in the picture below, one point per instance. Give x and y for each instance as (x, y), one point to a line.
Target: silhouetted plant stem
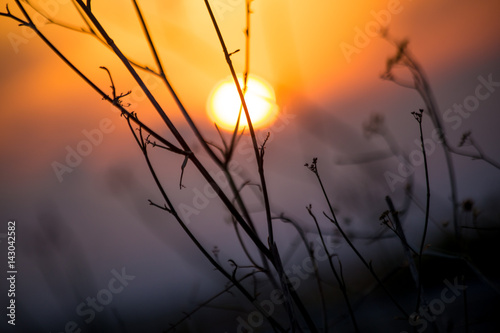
(170, 88)
(245, 249)
(132, 117)
(246, 215)
(234, 140)
(229, 149)
(246, 72)
(269, 253)
(398, 230)
(311, 254)
(134, 74)
(236, 191)
(235, 199)
(418, 117)
(206, 302)
(258, 155)
(459, 257)
(248, 11)
(466, 308)
(54, 21)
(115, 101)
(338, 276)
(89, 31)
(468, 140)
(171, 209)
(185, 147)
(421, 207)
(479, 156)
(192, 157)
(421, 85)
(110, 44)
(313, 167)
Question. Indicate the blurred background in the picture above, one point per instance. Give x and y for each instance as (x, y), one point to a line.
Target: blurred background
(80, 221)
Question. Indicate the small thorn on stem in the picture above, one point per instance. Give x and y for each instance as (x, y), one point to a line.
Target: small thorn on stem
(230, 54)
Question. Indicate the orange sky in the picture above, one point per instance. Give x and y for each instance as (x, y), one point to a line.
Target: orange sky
(298, 47)
(295, 46)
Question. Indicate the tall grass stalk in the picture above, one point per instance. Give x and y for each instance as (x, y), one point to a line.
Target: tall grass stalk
(339, 276)
(418, 117)
(314, 168)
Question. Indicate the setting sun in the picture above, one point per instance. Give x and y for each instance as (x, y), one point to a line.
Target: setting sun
(224, 103)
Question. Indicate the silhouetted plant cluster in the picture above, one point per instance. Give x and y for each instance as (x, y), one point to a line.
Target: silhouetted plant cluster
(265, 264)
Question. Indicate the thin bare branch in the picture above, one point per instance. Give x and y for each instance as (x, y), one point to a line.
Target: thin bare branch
(170, 88)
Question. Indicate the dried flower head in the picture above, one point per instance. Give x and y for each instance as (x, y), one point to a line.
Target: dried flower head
(467, 205)
(313, 166)
(418, 115)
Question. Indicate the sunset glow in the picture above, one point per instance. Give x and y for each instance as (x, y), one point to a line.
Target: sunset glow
(224, 103)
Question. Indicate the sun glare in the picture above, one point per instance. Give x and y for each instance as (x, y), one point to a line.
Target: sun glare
(224, 103)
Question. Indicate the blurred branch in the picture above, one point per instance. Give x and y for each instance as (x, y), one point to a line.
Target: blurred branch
(29, 23)
(275, 259)
(338, 275)
(310, 252)
(205, 303)
(418, 116)
(421, 84)
(313, 167)
(171, 209)
(169, 86)
(467, 140)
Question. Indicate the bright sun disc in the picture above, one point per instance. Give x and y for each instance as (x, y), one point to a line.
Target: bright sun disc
(224, 103)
